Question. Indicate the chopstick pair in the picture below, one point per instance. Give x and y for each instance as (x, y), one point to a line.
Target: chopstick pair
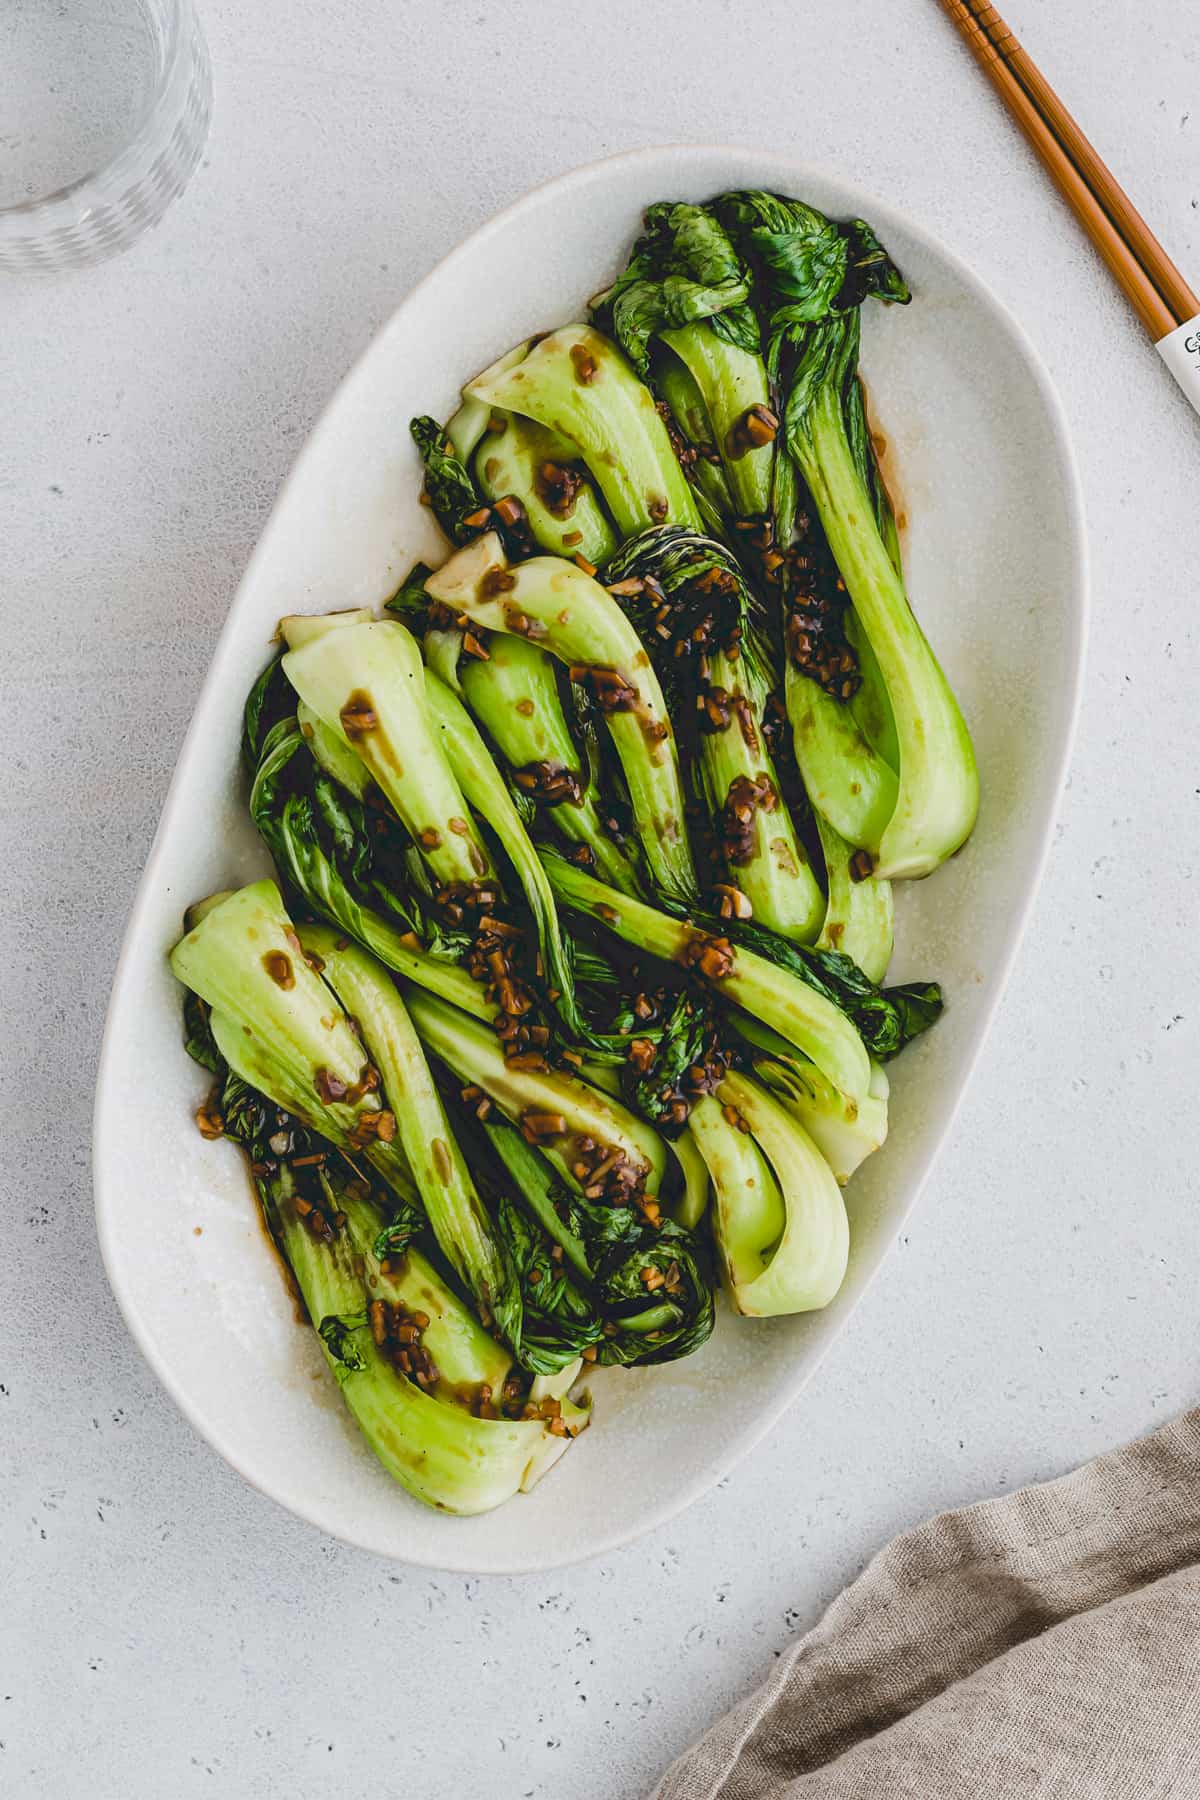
(1158, 293)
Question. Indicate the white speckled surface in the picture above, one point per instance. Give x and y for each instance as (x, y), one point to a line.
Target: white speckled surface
(162, 1626)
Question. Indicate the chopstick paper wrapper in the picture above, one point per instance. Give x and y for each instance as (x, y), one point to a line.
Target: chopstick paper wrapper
(1180, 350)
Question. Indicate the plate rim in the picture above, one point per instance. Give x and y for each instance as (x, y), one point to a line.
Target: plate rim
(1078, 615)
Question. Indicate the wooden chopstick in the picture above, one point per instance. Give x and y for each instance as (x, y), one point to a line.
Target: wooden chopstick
(1154, 286)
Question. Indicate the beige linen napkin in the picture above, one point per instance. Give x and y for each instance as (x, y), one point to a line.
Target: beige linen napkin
(1043, 1644)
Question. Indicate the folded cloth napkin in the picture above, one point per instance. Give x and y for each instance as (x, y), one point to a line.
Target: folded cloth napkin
(1043, 1644)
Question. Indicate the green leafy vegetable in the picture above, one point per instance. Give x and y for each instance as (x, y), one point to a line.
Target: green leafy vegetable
(811, 278)
(577, 383)
(338, 874)
(430, 1438)
(565, 1110)
(486, 790)
(338, 1336)
(712, 646)
(465, 1234)
(859, 915)
(367, 683)
(523, 461)
(197, 1035)
(452, 493)
(682, 268)
(647, 1281)
(559, 1322)
(278, 1026)
(330, 1230)
(410, 602)
(515, 697)
(780, 988)
(845, 1131)
(687, 290)
(579, 622)
(779, 1218)
(886, 1018)
(396, 1237)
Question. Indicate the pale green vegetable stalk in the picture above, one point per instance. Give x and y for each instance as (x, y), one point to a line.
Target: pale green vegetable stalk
(441, 1453)
(692, 1201)
(299, 629)
(514, 695)
(467, 1357)
(469, 424)
(846, 778)
(538, 468)
(732, 382)
(778, 1217)
(938, 794)
(724, 687)
(707, 476)
(804, 1017)
(485, 789)
(859, 915)
(278, 1026)
(846, 1131)
(465, 1234)
(290, 834)
(368, 683)
(332, 749)
(563, 1108)
(576, 382)
(579, 622)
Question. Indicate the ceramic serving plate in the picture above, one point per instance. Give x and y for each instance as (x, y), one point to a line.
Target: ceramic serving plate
(978, 453)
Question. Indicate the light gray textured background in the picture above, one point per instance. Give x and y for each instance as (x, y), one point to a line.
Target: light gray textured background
(164, 1631)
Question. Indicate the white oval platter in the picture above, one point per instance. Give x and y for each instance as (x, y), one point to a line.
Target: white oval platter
(996, 565)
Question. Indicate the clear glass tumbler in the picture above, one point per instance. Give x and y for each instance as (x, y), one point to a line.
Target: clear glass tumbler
(104, 109)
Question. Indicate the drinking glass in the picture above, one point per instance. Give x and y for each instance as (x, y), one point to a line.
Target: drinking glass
(104, 109)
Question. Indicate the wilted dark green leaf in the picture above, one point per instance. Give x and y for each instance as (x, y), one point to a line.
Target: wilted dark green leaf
(338, 1334)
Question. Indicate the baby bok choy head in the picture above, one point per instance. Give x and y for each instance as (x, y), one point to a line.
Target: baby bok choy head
(778, 1214)
(347, 870)
(278, 1026)
(388, 1111)
(344, 1213)
(845, 1131)
(811, 277)
(786, 993)
(445, 1440)
(366, 683)
(417, 741)
(493, 469)
(424, 1381)
(648, 1280)
(711, 643)
(521, 697)
(352, 863)
(577, 384)
(680, 311)
(577, 620)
